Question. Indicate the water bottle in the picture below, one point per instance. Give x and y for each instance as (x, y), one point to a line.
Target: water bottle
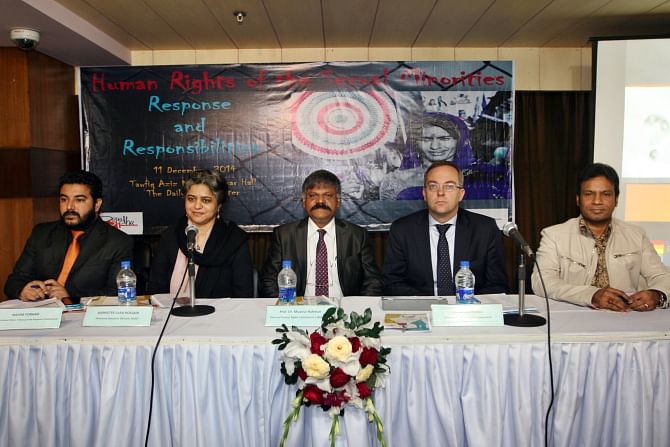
(126, 283)
(465, 284)
(286, 281)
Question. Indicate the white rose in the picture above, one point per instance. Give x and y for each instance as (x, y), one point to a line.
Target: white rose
(316, 367)
(338, 348)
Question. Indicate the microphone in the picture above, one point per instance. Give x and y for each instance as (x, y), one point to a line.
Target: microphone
(191, 231)
(510, 230)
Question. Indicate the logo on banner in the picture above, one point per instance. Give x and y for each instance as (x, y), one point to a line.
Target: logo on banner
(129, 223)
(342, 125)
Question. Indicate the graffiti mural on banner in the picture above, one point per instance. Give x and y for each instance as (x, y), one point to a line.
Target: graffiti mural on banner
(376, 125)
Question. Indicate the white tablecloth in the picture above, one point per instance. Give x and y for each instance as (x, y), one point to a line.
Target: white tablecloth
(218, 383)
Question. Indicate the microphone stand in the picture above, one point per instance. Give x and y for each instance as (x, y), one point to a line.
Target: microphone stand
(521, 318)
(192, 310)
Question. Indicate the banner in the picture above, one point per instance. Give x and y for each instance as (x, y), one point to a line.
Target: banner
(376, 125)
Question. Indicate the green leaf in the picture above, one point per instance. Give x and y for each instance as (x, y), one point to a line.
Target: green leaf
(368, 315)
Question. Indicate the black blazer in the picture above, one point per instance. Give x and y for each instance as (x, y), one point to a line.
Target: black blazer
(356, 267)
(102, 249)
(225, 270)
(407, 264)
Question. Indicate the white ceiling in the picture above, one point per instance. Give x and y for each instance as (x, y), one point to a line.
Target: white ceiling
(105, 32)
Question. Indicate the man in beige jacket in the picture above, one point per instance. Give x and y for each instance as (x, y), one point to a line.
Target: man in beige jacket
(599, 261)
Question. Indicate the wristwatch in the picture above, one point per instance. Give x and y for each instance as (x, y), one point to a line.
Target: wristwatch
(662, 300)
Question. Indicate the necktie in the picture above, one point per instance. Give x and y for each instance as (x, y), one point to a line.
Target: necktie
(445, 280)
(321, 279)
(70, 256)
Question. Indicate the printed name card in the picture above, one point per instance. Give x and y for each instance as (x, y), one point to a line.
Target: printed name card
(301, 315)
(467, 315)
(112, 316)
(31, 318)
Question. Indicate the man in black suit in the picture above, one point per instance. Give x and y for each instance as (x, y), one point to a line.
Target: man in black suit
(413, 252)
(43, 269)
(348, 260)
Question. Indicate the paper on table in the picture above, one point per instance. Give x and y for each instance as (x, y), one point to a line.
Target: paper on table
(407, 322)
(19, 304)
(142, 300)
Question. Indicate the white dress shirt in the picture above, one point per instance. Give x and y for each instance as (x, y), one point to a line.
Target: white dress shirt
(334, 289)
(434, 237)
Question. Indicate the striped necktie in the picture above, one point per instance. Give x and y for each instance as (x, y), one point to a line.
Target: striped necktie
(321, 279)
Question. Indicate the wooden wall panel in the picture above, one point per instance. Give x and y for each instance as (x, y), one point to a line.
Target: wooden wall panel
(15, 178)
(53, 107)
(14, 104)
(42, 169)
(39, 129)
(45, 209)
(16, 221)
(48, 166)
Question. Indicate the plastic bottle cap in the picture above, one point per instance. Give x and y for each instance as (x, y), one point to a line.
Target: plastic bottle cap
(286, 264)
(125, 264)
(465, 264)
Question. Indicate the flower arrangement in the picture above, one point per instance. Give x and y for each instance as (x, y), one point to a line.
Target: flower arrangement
(339, 364)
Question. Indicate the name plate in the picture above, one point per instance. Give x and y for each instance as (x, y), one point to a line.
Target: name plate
(31, 318)
(301, 315)
(467, 315)
(112, 316)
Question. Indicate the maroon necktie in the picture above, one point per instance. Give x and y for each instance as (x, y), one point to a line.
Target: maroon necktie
(321, 266)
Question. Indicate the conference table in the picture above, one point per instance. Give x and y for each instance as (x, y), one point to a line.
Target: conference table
(218, 382)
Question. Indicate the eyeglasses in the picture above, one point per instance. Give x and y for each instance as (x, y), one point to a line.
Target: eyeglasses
(448, 187)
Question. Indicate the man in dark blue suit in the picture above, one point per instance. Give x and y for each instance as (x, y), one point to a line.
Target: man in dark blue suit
(348, 260)
(443, 234)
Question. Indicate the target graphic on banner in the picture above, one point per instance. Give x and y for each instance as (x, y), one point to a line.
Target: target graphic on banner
(342, 125)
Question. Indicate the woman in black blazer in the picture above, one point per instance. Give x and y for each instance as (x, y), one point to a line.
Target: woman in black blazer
(221, 255)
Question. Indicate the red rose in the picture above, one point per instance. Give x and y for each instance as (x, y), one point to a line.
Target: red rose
(339, 378)
(302, 374)
(355, 344)
(313, 394)
(368, 357)
(336, 399)
(363, 390)
(317, 340)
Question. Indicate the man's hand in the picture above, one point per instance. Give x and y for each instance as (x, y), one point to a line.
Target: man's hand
(56, 289)
(644, 300)
(612, 299)
(33, 291)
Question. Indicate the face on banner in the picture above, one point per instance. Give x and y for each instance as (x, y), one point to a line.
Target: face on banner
(321, 203)
(437, 144)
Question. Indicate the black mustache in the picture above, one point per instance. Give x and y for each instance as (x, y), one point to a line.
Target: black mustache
(322, 206)
(71, 213)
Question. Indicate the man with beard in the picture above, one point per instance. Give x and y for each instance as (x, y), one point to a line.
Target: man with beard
(331, 257)
(597, 260)
(78, 255)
